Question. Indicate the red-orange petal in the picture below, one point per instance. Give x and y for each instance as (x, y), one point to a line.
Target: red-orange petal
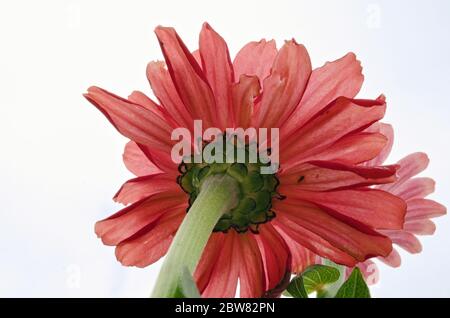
(255, 58)
(342, 77)
(342, 117)
(141, 187)
(150, 244)
(223, 280)
(251, 268)
(137, 162)
(218, 69)
(275, 255)
(329, 175)
(244, 93)
(164, 89)
(374, 208)
(355, 239)
(284, 87)
(188, 77)
(136, 216)
(316, 243)
(140, 124)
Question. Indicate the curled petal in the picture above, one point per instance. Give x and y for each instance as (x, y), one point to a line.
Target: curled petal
(285, 85)
(387, 131)
(369, 271)
(244, 93)
(255, 58)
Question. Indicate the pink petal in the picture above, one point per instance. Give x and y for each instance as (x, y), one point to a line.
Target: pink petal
(244, 94)
(188, 77)
(354, 239)
(284, 87)
(416, 188)
(410, 166)
(140, 124)
(420, 227)
(393, 259)
(342, 117)
(224, 276)
(255, 58)
(275, 255)
(141, 187)
(369, 270)
(150, 244)
(137, 162)
(328, 175)
(339, 78)
(405, 240)
(424, 209)
(374, 208)
(135, 217)
(164, 89)
(251, 271)
(387, 131)
(218, 69)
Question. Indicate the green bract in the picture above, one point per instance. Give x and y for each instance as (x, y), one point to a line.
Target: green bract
(256, 191)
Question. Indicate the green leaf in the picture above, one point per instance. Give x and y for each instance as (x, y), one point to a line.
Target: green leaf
(330, 290)
(296, 288)
(187, 287)
(316, 277)
(354, 287)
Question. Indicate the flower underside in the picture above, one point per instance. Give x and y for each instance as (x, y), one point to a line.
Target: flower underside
(256, 190)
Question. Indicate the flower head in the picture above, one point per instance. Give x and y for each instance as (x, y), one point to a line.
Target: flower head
(321, 201)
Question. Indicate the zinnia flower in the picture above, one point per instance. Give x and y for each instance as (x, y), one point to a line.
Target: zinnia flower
(320, 202)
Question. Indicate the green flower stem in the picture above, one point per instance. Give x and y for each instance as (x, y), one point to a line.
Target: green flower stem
(218, 194)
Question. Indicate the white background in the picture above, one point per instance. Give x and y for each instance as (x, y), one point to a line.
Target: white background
(60, 159)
